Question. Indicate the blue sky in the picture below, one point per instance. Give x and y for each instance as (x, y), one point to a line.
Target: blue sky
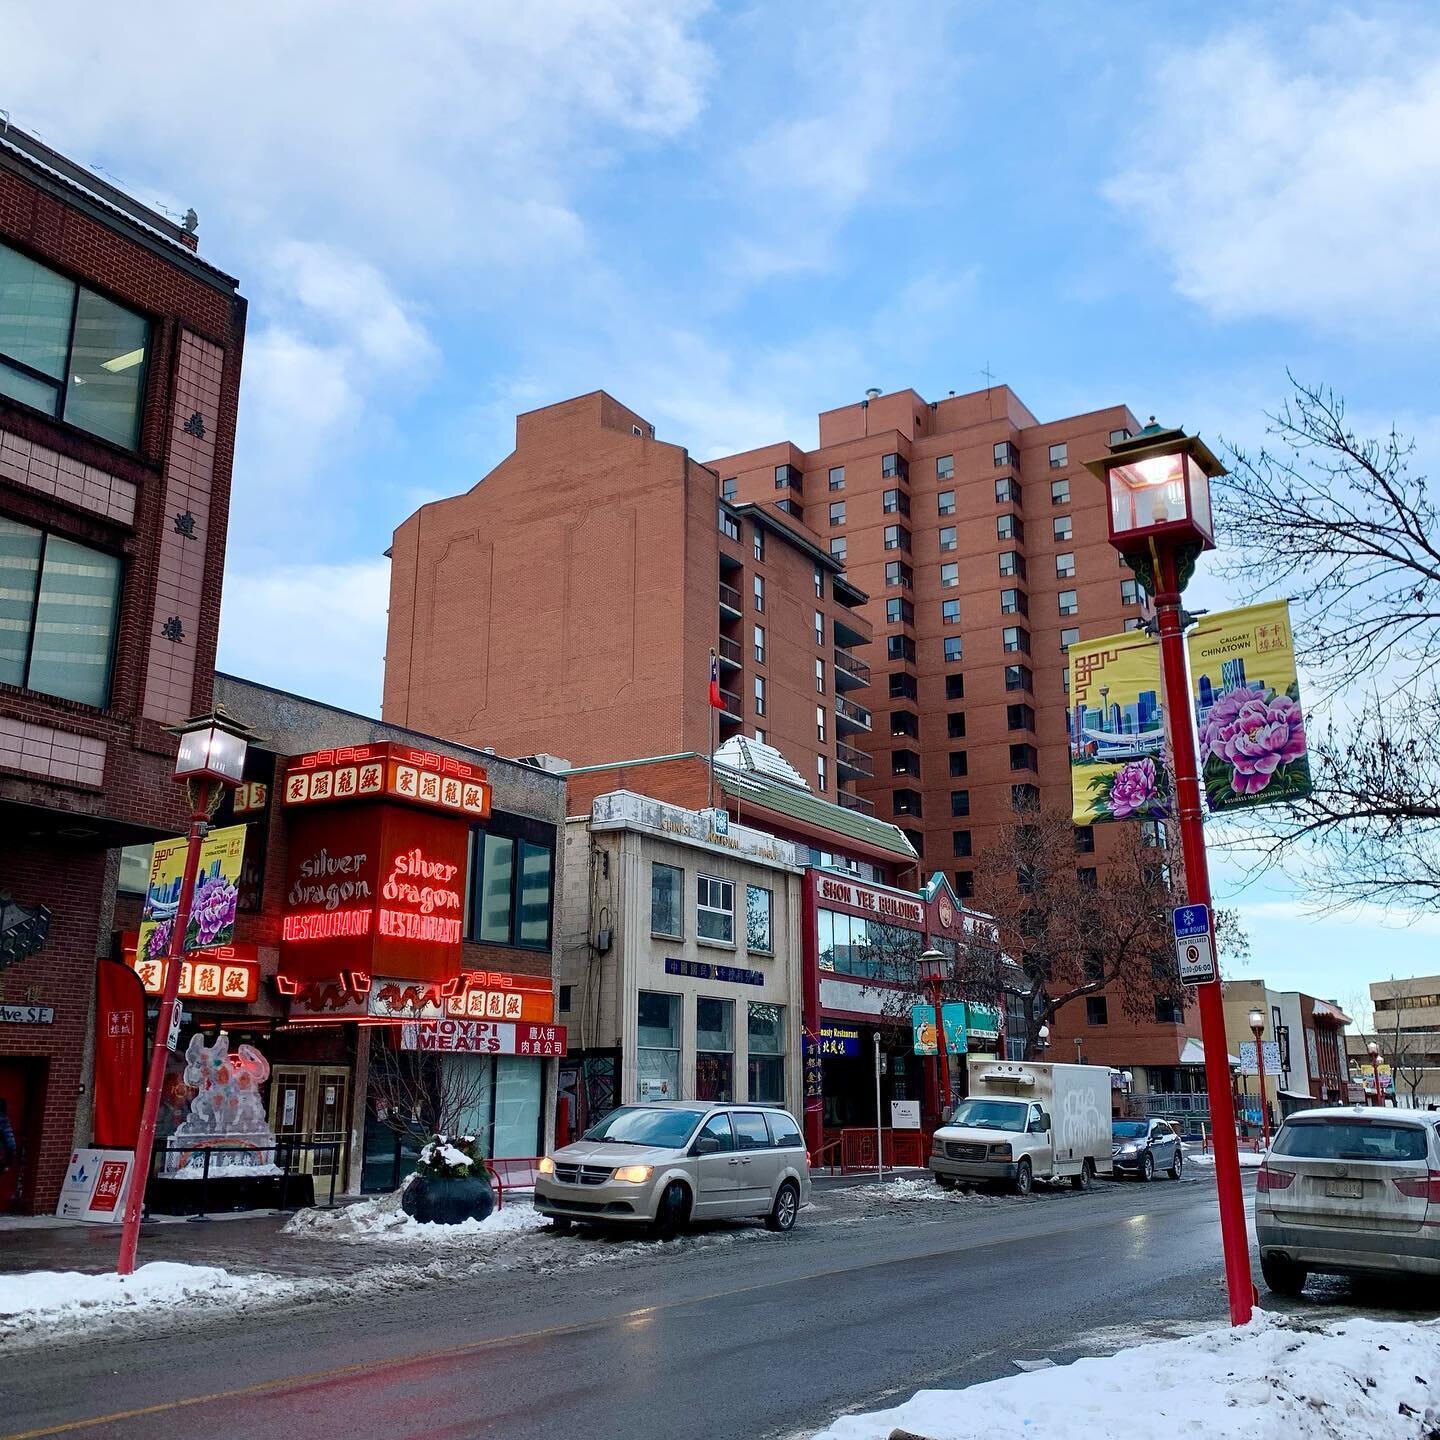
(733, 216)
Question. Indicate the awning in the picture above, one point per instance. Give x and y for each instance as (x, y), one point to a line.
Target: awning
(1194, 1054)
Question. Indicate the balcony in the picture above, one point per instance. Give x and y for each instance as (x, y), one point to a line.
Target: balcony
(850, 673)
(852, 801)
(728, 652)
(850, 717)
(851, 763)
(730, 603)
(732, 710)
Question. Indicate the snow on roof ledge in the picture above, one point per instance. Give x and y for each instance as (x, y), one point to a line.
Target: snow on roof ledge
(754, 756)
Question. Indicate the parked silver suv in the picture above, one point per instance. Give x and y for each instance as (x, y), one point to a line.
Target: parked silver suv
(664, 1164)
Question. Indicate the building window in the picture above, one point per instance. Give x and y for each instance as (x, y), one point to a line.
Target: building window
(760, 593)
(729, 489)
(1010, 527)
(759, 735)
(944, 467)
(1061, 528)
(820, 724)
(1007, 491)
(1023, 757)
(964, 884)
(759, 694)
(949, 612)
(786, 506)
(897, 572)
(1168, 1012)
(896, 502)
(954, 649)
(1085, 839)
(657, 1046)
(766, 1063)
(955, 724)
(904, 762)
(819, 628)
(947, 537)
(715, 910)
(960, 844)
(954, 687)
(1019, 717)
(900, 647)
(902, 687)
(905, 722)
(1024, 797)
(715, 1050)
(897, 537)
(1069, 602)
(895, 467)
(1014, 602)
(820, 574)
(899, 612)
(566, 994)
(837, 512)
(1131, 592)
(59, 604)
(1015, 639)
(1133, 623)
(1069, 637)
(906, 802)
(759, 544)
(667, 893)
(1059, 456)
(70, 352)
(1097, 1012)
(760, 644)
(838, 549)
(837, 477)
(950, 575)
(1065, 565)
(821, 782)
(959, 803)
(1019, 677)
(1086, 875)
(787, 477)
(759, 914)
(511, 882)
(959, 764)
(1059, 492)
(945, 502)
(819, 677)
(1005, 453)
(729, 525)
(1116, 436)
(1012, 562)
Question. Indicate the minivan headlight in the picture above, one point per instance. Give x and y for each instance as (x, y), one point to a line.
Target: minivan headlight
(545, 1166)
(634, 1174)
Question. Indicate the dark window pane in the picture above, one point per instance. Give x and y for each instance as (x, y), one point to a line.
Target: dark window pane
(107, 369)
(496, 885)
(534, 895)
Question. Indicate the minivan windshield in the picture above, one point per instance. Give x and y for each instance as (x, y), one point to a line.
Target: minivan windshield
(636, 1125)
(991, 1115)
(1347, 1139)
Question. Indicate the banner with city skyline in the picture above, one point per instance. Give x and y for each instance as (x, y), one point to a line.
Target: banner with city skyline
(1247, 708)
(1118, 764)
(213, 903)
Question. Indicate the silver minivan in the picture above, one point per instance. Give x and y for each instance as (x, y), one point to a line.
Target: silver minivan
(666, 1163)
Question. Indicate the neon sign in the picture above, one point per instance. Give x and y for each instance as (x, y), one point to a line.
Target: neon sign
(326, 925)
(223, 972)
(388, 770)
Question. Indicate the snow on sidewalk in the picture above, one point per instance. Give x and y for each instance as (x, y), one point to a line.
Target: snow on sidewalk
(1276, 1379)
(1249, 1159)
(382, 1218)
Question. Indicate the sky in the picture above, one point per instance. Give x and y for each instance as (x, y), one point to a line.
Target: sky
(733, 216)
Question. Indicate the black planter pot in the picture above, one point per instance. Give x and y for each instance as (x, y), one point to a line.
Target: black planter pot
(437, 1201)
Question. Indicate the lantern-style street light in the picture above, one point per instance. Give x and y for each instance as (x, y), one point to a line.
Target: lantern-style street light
(1257, 1029)
(1042, 1039)
(934, 971)
(1374, 1050)
(210, 760)
(1157, 486)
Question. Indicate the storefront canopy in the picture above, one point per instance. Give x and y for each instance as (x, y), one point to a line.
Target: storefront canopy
(1194, 1054)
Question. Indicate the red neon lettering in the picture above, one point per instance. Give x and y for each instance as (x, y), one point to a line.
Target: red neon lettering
(329, 926)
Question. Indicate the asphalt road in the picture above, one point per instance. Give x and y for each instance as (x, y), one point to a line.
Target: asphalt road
(740, 1333)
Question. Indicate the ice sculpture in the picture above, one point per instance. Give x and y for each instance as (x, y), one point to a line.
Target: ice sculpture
(226, 1113)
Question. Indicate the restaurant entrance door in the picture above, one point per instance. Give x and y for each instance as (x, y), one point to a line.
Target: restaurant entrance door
(308, 1103)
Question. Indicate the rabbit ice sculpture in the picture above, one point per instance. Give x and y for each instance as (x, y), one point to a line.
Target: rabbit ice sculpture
(227, 1094)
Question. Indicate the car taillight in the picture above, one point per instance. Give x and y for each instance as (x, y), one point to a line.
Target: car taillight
(1268, 1179)
(1426, 1188)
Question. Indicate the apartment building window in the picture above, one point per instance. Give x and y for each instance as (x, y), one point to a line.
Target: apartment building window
(787, 506)
(759, 915)
(1023, 757)
(1168, 1012)
(1133, 623)
(906, 723)
(1062, 528)
(1069, 602)
(895, 467)
(1005, 453)
(837, 477)
(1097, 1010)
(729, 525)
(511, 864)
(715, 910)
(838, 549)
(70, 352)
(1015, 638)
(1116, 436)
(955, 724)
(903, 686)
(657, 1042)
(906, 802)
(1059, 492)
(759, 735)
(896, 502)
(949, 612)
(899, 611)
(820, 774)
(897, 537)
(729, 489)
(1012, 562)
(837, 512)
(760, 592)
(1019, 677)
(945, 502)
(59, 605)
(944, 467)
(947, 537)
(960, 844)
(667, 899)
(759, 543)
(819, 677)
(820, 575)
(959, 764)
(1065, 565)
(954, 650)
(959, 803)
(766, 1063)
(1059, 456)
(950, 575)
(1019, 717)
(1131, 592)
(819, 628)
(964, 884)
(1085, 839)
(715, 1051)
(1010, 527)
(759, 694)
(1014, 602)
(1024, 797)
(787, 477)
(897, 572)
(900, 647)
(1069, 637)
(760, 644)
(904, 762)
(1007, 491)
(954, 687)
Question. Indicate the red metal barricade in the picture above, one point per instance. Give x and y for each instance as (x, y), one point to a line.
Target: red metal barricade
(899, 1148)
(512, 1174)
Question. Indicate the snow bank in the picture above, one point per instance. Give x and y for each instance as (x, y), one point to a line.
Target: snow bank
(382, 1217)
(906, 1191)
(52, 1297)
(1274, 1378)
(1249, 1159)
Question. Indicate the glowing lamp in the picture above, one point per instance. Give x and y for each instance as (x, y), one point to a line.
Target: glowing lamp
(1257, 1020)
(212, 747)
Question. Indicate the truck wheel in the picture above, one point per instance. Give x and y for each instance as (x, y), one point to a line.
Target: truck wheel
(1022, 1176)
(1147, 1166)
(1283, 1277)
(945, 1182)
(1086, 1178)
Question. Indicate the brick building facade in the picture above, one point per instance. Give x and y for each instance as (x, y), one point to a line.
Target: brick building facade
(120, 353)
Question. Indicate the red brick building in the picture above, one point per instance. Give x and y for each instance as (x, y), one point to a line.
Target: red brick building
(120, 354)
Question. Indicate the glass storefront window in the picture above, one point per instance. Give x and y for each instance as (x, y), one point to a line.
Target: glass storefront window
(714, 1049)
(657, 1048)
(766, 1064)
(518, 1099)
(867, 949)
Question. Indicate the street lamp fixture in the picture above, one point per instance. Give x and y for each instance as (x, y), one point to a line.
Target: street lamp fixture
(1042, 1037)
(212, 747)
(935, 968)
(1374, 1050)
(1257, 1029)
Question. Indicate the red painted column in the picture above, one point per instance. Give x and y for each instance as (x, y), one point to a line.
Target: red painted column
(813, 1119)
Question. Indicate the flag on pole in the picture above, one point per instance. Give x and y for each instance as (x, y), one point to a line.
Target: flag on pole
(716, 701)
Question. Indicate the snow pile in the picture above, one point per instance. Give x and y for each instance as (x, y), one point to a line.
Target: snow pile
(382, 1218)
(441, 1152)
(905, 1191)
(1249, 1159)
(1274, 1378)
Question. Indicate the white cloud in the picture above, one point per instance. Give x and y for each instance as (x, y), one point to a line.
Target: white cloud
(1295, 173)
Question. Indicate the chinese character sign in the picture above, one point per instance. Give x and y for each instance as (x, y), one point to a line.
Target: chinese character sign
(1118, 768)
(213, 903)
(1247, 708)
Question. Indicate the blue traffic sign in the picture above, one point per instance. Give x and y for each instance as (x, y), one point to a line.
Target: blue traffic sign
(1191, 921)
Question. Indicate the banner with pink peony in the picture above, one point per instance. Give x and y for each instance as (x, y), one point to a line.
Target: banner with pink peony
(214, 903)
(1118, 766)
(1247, 708)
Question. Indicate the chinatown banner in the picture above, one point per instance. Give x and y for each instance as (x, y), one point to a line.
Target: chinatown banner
(212, 907)
(1118, 764)
(1247, 708)
(119, 1055)
(922, 1023)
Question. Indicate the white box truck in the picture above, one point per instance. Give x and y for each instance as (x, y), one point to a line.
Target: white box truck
(1024, 1121)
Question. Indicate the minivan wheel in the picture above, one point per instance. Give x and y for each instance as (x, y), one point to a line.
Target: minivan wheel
(1147, 1166)
(673, 1210)
(1283, 1277)
(1022, 1177)
(785, 1209)
(1086, 1178)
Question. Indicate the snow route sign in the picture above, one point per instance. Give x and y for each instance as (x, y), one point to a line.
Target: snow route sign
(1194, 952)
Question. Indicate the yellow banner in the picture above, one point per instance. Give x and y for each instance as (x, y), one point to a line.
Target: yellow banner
(213, 905)
(1118, 768)
(1247, 708)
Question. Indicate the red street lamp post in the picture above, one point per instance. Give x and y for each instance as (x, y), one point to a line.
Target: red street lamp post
(934, 971)
(1158, 487)
(211, 758)
(1257, 1029)
(1374, 1050)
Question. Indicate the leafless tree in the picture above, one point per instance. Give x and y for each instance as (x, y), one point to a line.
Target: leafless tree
(1403, 1050)
(1346, 528)
(422, 1093)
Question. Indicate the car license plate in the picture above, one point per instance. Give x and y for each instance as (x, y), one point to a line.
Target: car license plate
(1344, 1189)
